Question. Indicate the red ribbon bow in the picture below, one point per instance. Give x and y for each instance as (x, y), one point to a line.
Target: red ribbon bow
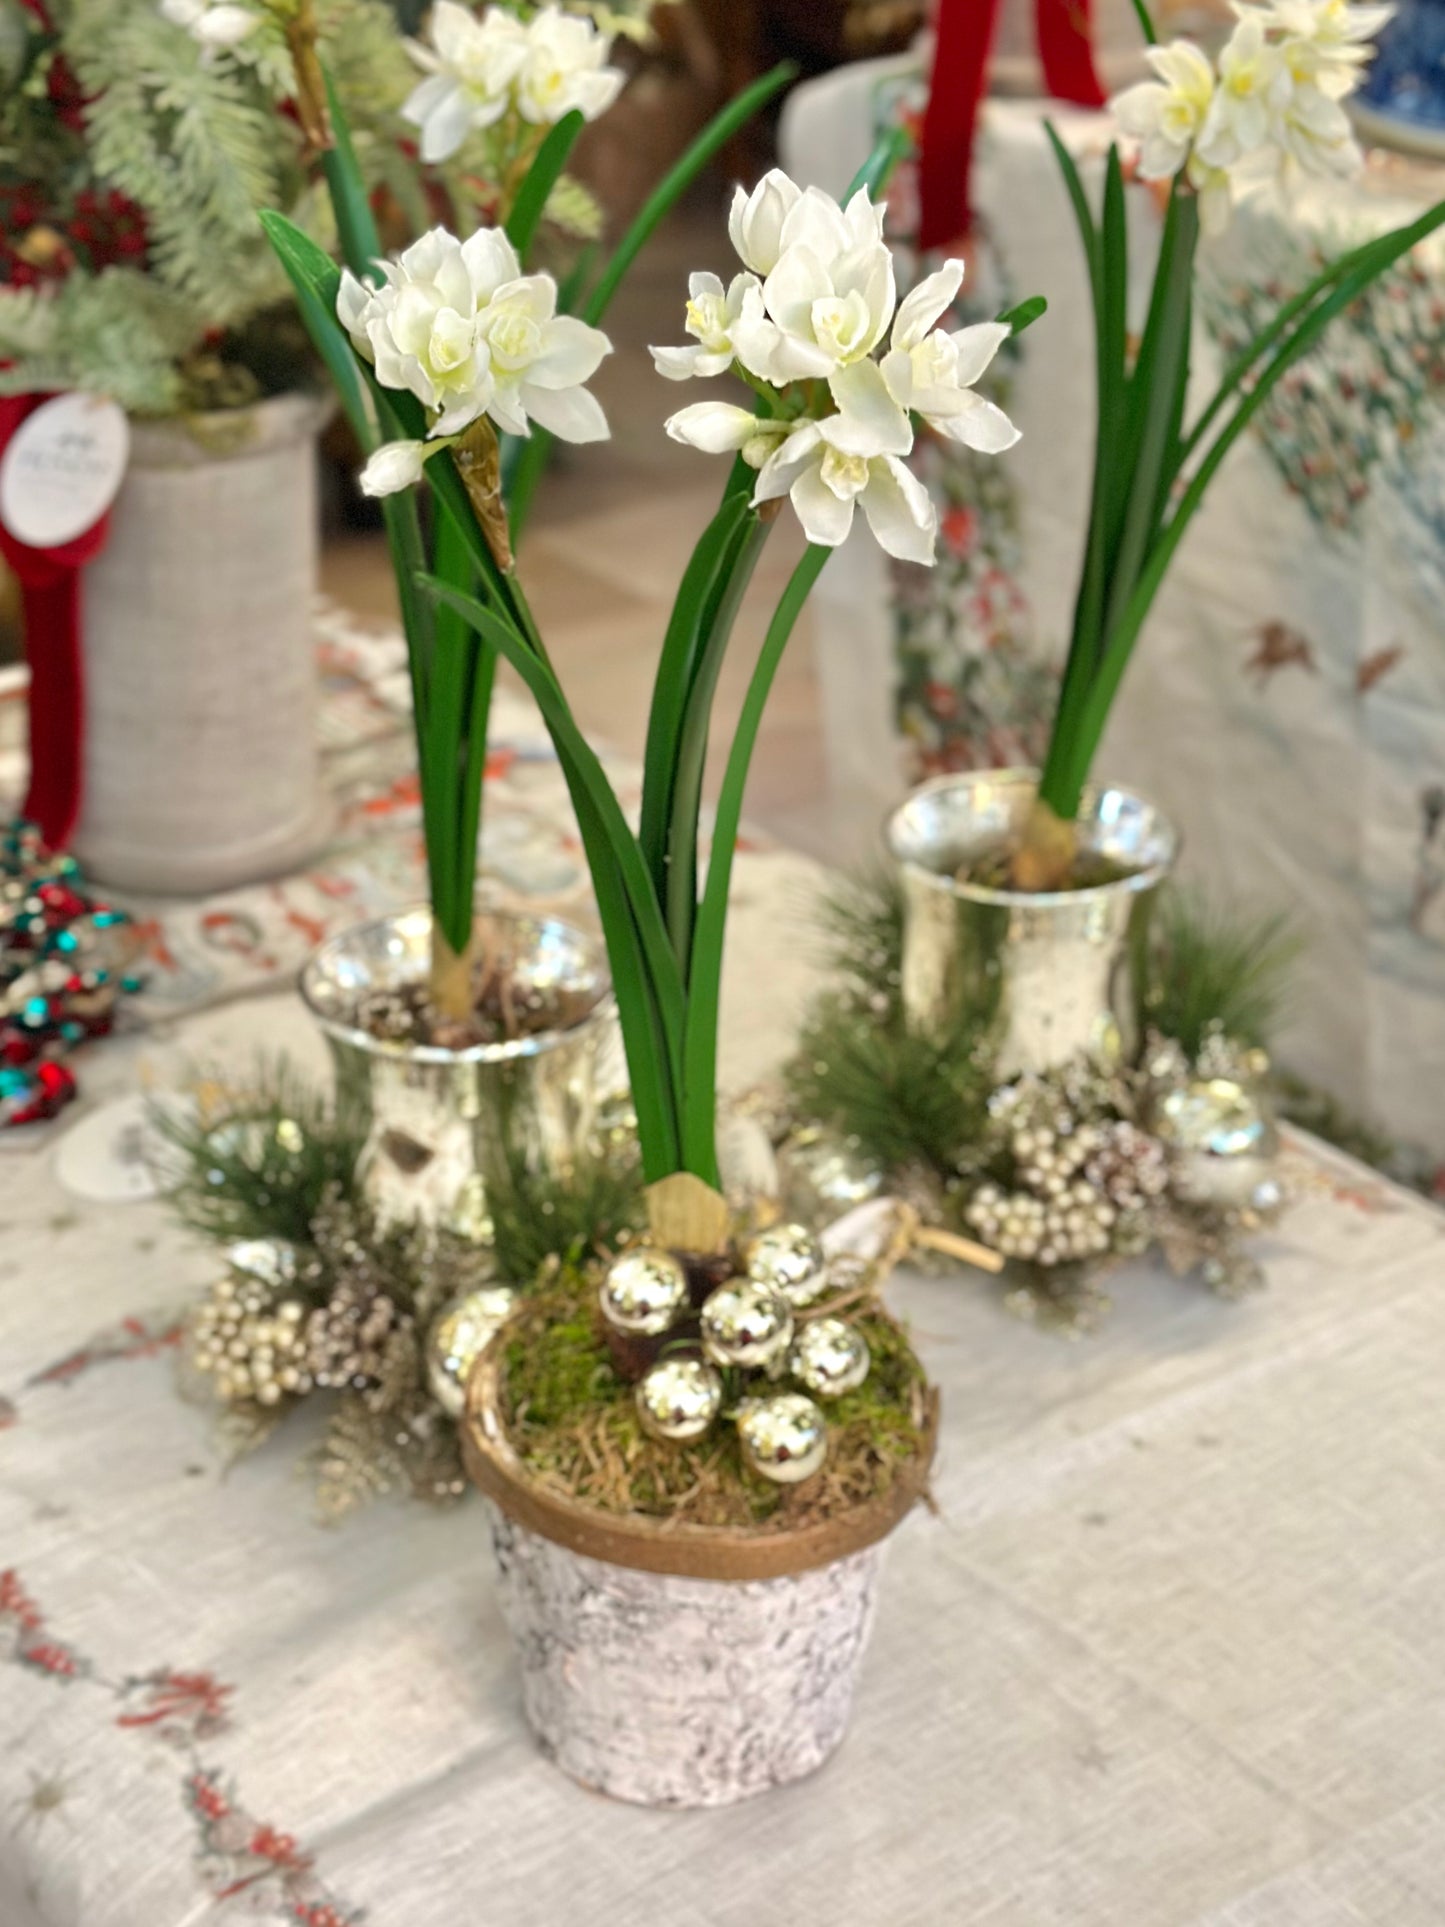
(964, 34)
(50, 590)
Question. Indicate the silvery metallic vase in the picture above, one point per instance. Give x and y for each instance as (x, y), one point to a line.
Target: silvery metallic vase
(443, 1121)
(1055, 972)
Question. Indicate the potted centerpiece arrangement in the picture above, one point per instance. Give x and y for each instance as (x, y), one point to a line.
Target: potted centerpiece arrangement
(475, 1042)
(1027, 893)
(132, 269)
(688, 1542)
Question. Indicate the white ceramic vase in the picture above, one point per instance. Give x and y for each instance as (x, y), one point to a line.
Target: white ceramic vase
(201, 760)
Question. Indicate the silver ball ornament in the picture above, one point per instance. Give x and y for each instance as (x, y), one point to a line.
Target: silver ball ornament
(784, 1438)
(272, 1260)
(744, 1323)
(1224, 1139)
(789, 1259)
(678, 1398)
(457, 1339)
(824, 1176)
(830, 1357)
(643, 1292)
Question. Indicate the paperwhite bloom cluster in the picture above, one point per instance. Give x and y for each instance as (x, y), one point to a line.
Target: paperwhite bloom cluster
(1274, 98)
(458, 325)
(814, 326)
(215, 24)
(477, 69)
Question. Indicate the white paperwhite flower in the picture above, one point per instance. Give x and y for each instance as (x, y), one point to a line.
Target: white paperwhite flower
(1333, 26)
(755, 221)
(564, 66)
(1328, 44)
(459, 326)
(1215, 189)
(829, 297)
(1166, 115)
(720, 428)
(1254, 83)
(471, 65)
(826, 478)
(420, 327)
(539, 361)
(931, 372)
(711, 313)
(1314, 132)
(393, 467)
(215, 24)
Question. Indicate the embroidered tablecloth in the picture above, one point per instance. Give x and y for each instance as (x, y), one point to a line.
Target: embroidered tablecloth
(1170, 1649)
(1286, 703)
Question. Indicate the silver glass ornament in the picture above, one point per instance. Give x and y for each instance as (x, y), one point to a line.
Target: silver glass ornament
(458, 1338)
(830, 1357)
(784, 1438)
(678, 1398)
(824, 1175)
(745, 1323)
(790, 1259)
(272, 1260)
(643, 1292)
(1224, 1140)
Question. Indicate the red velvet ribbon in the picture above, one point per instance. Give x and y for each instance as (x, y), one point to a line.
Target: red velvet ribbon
(964, 31)
(50, 593)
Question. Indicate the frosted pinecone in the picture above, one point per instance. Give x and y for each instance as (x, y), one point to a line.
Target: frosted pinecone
(1128, 1166)
(347, 1338)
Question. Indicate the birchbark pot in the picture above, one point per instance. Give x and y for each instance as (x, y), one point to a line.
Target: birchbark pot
(678, 1665)
(443, 1124)
(1056, 974)
(201, 762)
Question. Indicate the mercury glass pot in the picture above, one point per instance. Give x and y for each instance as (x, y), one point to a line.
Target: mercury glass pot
(444, 1123)
(1054, 973)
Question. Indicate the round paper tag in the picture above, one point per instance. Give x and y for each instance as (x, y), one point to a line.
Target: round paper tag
(62, 468)
(115, 1155)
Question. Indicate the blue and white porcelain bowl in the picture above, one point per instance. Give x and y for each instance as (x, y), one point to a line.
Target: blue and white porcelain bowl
(1402, 100)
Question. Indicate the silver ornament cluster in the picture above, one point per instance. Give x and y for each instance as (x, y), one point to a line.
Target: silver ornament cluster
(757, 1324)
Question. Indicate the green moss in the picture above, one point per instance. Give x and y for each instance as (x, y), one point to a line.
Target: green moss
(572, 1418)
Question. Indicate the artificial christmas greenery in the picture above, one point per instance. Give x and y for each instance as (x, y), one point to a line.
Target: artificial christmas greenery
(132, 168)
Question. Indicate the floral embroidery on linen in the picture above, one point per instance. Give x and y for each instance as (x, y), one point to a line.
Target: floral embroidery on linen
(145, 1335)
(236, 1853)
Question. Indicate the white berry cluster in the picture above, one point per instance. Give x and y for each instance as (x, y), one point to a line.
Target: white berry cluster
(1059, 1228)
(254, 1347)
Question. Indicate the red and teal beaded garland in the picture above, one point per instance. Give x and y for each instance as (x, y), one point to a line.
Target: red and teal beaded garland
(63, 966)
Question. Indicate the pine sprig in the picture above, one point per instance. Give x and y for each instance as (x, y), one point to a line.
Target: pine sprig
(910, 1098)
(1213, 968)
(905, 1098)
(259, 1158)
(192, 143)
(537, 1217)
